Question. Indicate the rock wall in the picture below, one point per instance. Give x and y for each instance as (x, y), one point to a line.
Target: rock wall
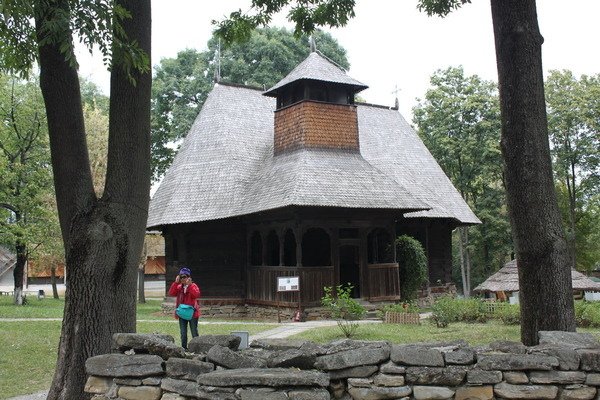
(564, 366)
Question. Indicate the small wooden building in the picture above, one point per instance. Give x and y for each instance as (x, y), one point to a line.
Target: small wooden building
(302, 181)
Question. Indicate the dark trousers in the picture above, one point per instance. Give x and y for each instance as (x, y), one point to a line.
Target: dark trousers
(183, 324)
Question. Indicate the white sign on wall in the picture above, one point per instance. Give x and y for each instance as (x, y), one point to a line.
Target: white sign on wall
(288, 283)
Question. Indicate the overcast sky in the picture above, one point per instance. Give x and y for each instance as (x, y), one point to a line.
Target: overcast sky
(390, 43)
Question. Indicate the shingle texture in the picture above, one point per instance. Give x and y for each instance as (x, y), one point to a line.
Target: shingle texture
(226, 167)
(318, 68)
(507, 280)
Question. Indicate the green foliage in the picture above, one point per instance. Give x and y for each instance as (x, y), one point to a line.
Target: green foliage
(343, 308)
(306, 15)
(440, 7)
(574, 129)
(587, 314)
(509, 314)
(459, 122)
(404, 307)
(181, 84)
(413, 266)
(447, 309)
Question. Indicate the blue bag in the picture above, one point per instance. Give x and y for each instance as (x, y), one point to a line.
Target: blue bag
(185, 312)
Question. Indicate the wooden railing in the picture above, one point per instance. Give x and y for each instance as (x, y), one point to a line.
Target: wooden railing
(384, 281)
(262, 283)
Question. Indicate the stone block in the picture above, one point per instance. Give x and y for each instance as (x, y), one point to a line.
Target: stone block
(460, 357)
(293, 358)
(160, 345)
(516, 362)
(228, 358)
(278, 344)
(172, 396)
(360, 382)
(388, 380)
(140, 392)
(152, 381)
(568, 359)
(391, 368)
(573, 340)
(592, 379)
(97, 384)
(356, 372)
(308, 394)
(379, 392)
(507, 346)
(416, 355)
(364, 355)
(432, 393)
(128, 381)
(516, 377)
(559, 377)
(179, 386)
(578, 392)
(122, 365)
(272, 377)
(538, 392)
(203, 343)
(180, 368)
(449, 376)
(260, 394)
(474, 393)
(480, 377)
(590, 359)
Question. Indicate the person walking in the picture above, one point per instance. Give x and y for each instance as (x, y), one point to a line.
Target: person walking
(186, 293)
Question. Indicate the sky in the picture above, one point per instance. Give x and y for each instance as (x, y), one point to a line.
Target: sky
(390, 44)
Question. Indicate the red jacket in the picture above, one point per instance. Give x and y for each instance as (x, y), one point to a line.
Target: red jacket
(190, 297)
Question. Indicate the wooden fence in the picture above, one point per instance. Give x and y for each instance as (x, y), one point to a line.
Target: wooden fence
(392, 317)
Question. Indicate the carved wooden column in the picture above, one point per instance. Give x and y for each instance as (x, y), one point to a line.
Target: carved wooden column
(263, 242)
(281, 237)
(298, 237)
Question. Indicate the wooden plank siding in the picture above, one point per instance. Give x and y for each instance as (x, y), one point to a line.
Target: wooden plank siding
(384, 281)
(262, 281)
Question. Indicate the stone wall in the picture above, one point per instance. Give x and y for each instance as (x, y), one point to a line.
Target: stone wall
(564, 366)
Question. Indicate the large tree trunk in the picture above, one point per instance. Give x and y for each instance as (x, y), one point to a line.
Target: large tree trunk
(463, 264)
(103, 237)
(53, 281)
(544, 274)
(19, 272)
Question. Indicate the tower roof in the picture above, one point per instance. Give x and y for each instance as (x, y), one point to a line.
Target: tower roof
(317, 68)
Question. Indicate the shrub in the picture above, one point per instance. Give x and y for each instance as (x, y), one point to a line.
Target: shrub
(406, 307)
(443, 312)
(580, 307)
(413, 266)
(343, 308)
(509, 314)
(470, 310)
(591, 315)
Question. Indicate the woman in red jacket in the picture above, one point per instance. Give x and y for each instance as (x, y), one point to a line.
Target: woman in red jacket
(187, 292)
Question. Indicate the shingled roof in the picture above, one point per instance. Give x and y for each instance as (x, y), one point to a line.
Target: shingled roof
(318, 68)
(507, 280)
(226, 167)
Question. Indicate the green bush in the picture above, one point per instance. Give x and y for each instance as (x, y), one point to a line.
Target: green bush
(343, 308)
(413, 266)
(470, 310)
(509, 314)
(406, 307)
(443, 312)
(591, 315)
(580, 307)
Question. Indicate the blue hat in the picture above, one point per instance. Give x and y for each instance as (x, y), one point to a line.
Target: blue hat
(185, 271)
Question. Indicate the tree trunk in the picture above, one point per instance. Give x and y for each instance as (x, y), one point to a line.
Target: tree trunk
(463, 264)
(53, 281)
(546, 295)
(465, 231)
(103, 237)
(141, 294)
(19, 272)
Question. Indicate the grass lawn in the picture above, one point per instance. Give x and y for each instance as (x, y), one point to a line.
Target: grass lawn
(474, 334)
(28, 348)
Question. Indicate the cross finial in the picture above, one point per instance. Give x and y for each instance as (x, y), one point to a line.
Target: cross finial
(396, 91)
(313, 45)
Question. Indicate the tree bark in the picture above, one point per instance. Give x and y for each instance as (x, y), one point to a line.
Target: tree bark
(103, 237)
(19, 272)
(53, 281)
(546, 296)
(463, 269)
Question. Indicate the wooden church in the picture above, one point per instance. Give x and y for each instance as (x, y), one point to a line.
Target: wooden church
(302, 181)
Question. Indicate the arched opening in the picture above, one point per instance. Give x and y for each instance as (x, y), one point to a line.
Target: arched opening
(316, 248)
(379, 247)
(272, 256)
(289, 248)
(256, 249)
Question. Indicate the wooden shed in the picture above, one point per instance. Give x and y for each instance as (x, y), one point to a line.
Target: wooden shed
(302, 181)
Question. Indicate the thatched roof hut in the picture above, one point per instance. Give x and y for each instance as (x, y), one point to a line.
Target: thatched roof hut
(507, 280)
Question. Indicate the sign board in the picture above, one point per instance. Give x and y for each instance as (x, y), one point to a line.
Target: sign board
(288, 283)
